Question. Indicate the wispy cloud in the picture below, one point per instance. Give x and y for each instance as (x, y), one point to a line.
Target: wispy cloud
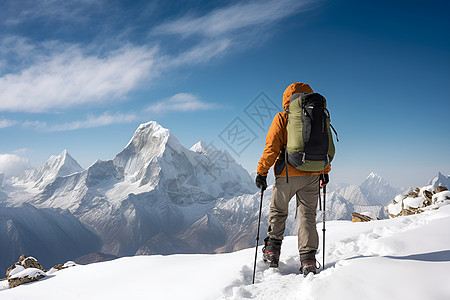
(17, 12)
(7, 123)
(229, 29)
(181, 102)
(54, 76)
(13, 164)
(200, 53)
(70, 77)
(233, 18)
(90, 122)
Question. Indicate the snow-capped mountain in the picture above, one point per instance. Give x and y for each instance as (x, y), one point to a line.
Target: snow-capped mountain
(369, 198)
(373, 191)
(56, 166)
(377, 191)
(440, 179)
(157, 196)
(152, 192)
(3, 196)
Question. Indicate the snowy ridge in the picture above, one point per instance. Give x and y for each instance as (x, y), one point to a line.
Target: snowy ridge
(56, 166)
(440, 180)
(371, 197)
(406, 246)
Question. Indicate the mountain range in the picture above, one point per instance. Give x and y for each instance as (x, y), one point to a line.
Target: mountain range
(154, 197)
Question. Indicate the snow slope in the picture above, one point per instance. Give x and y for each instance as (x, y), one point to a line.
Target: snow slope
(401, 258)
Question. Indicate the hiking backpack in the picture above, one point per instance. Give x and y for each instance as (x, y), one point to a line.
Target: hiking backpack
(310, 145)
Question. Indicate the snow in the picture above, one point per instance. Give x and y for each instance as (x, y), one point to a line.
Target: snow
(401, 258)
(441, 197)
(16, 270)
(395, 208)
(30, 273)
(413, 202)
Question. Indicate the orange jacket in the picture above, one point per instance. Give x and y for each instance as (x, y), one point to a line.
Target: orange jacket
(277, 137)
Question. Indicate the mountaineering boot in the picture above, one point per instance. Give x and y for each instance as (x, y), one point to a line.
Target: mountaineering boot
(308, 261)
(271, 251)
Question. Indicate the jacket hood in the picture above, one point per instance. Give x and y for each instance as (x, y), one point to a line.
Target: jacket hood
(292, 89)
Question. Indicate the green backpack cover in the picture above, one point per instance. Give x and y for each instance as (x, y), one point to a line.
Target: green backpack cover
(310, 145)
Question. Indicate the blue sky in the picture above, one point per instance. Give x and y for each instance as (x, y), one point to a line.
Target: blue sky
(82, 75)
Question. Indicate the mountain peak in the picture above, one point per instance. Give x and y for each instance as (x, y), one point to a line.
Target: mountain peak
(440, 179)
(377, 190)
(373, 175)
(153, 127)
(199, 147)
(150, 140)
(56, 166)
(64, 162)
(148, 133)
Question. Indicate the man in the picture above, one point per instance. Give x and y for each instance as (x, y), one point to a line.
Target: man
(304, 185)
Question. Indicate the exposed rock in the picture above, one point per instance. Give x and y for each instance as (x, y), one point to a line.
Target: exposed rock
(440, 188)
(58, 267)
(29, 262)
(428, 197)
(417, 190)
(27, 269)
(30, 275)
(413, 194)
(9, 270)
(357, 217)
(410, 211)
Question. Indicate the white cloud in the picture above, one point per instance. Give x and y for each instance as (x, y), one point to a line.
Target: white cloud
(13, 164)
(17, 12)
(7, 123)
(201, 53)
(232, 28)
(233, 18)
(90, 122)
(181, 102)
(68, 77)
(52, 76)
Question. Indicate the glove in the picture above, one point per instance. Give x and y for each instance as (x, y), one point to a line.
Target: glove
(324, 179)
(261, 182)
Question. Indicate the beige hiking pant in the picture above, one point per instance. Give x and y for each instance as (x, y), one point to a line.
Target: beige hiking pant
(306, 189)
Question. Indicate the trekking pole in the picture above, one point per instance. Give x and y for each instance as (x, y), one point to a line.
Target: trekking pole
(257, 235)
(323, 229)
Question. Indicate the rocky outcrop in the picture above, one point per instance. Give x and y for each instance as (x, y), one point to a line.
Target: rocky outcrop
(357, 217)
(26, 270)
(418, 201)
(439, 189)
